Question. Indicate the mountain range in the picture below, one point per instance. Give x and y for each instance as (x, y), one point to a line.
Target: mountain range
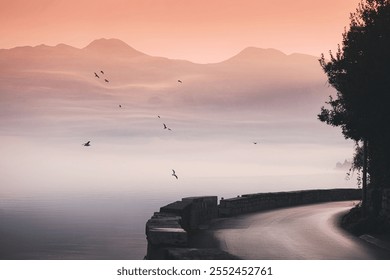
(254, 78)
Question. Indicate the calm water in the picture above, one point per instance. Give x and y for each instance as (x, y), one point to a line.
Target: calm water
(106, 225)
(96, 227)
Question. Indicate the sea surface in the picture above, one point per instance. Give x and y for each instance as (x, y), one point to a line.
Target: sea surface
(109, 224)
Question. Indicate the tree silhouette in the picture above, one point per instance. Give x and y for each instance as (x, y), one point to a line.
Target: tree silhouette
(360, 72)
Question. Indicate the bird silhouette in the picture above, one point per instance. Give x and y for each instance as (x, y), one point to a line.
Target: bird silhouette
(96, 75)
(120, 106)
(255, 143)
(174, 174)
(179, 81)
(107, 81)
(159, 117)
(101, 71)
(87, 144)
(165, 127)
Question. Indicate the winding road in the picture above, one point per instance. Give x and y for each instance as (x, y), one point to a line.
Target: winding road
(303, 232)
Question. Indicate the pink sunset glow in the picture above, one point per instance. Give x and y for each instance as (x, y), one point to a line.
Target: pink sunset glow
(200, 31)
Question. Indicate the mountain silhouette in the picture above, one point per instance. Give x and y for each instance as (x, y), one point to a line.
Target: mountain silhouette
(112, 47)
(266, 79)
(251, 54)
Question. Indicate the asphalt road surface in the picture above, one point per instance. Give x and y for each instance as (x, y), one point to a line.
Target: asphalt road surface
(303, 232)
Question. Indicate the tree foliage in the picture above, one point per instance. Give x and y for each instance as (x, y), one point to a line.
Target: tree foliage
(360, 72)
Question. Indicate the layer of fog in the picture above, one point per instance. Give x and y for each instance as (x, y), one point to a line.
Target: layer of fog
(51, 103)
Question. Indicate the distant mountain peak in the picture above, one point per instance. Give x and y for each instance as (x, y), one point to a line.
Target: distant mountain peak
(251, 53)
(103, 42)
(112, 46)
(260, 56)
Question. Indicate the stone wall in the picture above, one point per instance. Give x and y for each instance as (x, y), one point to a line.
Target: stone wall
(194, 211)
(264, 201)
(168, 231)
(164, 231)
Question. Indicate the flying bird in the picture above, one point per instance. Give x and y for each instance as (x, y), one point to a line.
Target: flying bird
(120, 106)
(174, 174)
(87, 144)
(101, 71)
(179, 81)
(107, 81)
(96, 75)
(255, 143)
(159, 117)
(165, 127)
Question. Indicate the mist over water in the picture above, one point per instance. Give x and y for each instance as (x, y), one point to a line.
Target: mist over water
(67, 201)
(62, 200)
(129, 152)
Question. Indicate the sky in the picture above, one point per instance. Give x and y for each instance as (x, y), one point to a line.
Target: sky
(200, 31)
(67, 106)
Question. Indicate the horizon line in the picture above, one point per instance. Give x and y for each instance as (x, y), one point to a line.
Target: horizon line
(130, 46)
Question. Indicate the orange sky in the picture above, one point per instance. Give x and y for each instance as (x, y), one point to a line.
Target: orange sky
(200, 31)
